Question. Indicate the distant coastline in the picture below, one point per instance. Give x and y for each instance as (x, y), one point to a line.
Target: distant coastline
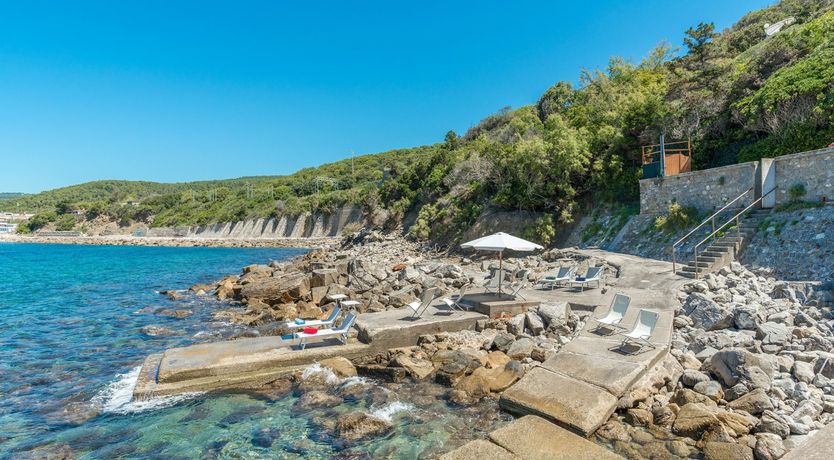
(129, 240)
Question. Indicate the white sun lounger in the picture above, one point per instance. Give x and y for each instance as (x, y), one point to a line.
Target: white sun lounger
(317, 322)
(552, 280)
(340, 332)
(616, 312)
(418, 307)
(642, 332)
(593, 274)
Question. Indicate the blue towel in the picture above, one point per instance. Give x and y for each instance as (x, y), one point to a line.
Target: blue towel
(580, 278)
(299, 321)
(287, 337)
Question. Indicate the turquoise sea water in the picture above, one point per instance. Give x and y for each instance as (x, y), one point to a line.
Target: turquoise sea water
(71, 344)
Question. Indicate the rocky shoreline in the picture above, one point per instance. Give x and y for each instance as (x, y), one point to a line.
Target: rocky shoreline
(129, 240)
(749, 374)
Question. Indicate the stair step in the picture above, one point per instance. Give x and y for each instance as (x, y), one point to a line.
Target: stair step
(689, 268)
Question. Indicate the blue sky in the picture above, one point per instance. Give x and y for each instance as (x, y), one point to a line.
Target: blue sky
(176, 91)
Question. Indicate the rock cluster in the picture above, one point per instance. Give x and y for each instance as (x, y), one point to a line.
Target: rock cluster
(380, 271)
(484, 362)
(752, 372)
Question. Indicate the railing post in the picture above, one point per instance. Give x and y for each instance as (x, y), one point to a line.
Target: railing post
(696, 262)
(674, 268)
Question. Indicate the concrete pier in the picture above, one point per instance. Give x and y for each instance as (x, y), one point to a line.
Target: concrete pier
(252, 362)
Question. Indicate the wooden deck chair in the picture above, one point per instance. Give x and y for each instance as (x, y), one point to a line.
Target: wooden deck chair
(454, 303)
(616, 313)
(340, 332)
(641, 333)
(419, 307)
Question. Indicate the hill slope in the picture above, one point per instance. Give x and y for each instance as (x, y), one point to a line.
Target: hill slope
(738, 94)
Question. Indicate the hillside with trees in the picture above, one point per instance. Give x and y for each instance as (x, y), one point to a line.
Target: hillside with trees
(737, 94)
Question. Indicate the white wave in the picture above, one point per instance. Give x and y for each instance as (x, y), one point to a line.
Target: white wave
(329, 377)
(117, 397)
(388, 411)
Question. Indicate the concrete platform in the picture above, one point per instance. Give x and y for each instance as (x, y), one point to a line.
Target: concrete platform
(492, 305)
(819, 446)
(396, 328)
(479, 449)
(534, 438)
(572, 403)
(230, 364)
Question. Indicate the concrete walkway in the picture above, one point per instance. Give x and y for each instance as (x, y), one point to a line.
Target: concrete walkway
(579, 386)
(820, 446)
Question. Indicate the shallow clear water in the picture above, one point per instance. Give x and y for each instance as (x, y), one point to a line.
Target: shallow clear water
(71, 345)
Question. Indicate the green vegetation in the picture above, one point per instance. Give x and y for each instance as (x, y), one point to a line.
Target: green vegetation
(676, 219)
(737, 94)
(10, 196)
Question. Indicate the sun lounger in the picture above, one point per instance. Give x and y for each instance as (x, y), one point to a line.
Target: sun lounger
(340, 332)
(592, 275)
(616, 313)
(551, 280)
(641, 333)
(419, 306)
(317, 322)
(454, 304)
(517, 288)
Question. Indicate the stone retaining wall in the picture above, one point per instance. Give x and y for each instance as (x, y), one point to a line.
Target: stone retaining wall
(814, 170)
(704, 190)
(711, 188)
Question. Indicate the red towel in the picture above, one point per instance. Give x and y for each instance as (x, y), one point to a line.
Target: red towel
(310, 330)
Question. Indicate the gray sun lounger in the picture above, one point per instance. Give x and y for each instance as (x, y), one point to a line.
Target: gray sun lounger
(331, 318)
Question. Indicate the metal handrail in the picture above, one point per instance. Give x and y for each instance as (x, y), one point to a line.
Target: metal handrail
(730, 220)
(708, 219)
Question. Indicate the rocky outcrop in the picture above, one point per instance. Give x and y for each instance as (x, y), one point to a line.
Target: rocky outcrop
(301, 226)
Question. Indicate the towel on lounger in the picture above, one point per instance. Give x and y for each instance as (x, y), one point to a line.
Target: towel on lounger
(299, 321)
(310, 330)
(580, 278)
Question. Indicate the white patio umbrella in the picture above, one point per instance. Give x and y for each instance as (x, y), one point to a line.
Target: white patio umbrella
(500, 242)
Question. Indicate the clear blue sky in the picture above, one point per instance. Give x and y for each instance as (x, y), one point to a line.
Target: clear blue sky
(176, 91)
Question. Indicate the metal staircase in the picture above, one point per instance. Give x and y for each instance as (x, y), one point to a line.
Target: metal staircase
(726, 241)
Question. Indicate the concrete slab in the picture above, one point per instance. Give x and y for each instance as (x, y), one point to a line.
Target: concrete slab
(535, 438)
(493, 306)
(220, 365)
(479, 449)
(819, 446)
(616, 376)
(569, 402)
(396, 328)
(607, 348)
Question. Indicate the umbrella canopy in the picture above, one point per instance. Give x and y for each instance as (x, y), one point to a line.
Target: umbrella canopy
(500, 242)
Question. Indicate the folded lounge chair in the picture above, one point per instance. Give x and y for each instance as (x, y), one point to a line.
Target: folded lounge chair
(593, 274)
(616, 312)
(642, 332)
(552, 280)
(517, 287)
(340, 332)
(454, 303)
(316, 322)
(419, 306)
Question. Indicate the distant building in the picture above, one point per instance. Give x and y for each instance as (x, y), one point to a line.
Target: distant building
(8, 228)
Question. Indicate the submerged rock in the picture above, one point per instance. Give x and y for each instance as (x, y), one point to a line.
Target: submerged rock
(361, 425)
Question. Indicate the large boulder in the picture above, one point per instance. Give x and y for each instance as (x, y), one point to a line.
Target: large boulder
(417, 368)
(693, 420)
(521, 348)
(340, 366)
(771, 333)
(754, 402)
(734, 365)
(484, 381)
(324, 277)
(282, 289)
(727, 451)
(554, 312)
(707, 314)
(534, 322)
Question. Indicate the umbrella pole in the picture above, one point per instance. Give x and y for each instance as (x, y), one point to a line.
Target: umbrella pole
(500, 272)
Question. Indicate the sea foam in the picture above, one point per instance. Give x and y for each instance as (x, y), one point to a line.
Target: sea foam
(117, 397)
